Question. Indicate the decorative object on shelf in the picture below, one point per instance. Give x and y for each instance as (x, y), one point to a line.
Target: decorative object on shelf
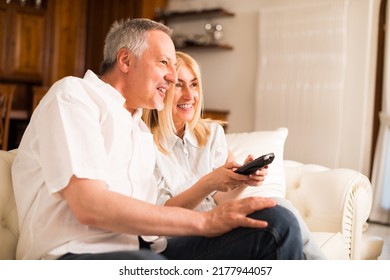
(198, 41)
(214, 31)
(36, 3)
(210, 40)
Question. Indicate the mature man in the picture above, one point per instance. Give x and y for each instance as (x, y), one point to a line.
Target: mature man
(83, 176)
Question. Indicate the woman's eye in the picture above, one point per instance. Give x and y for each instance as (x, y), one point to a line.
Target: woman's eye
(178, 85)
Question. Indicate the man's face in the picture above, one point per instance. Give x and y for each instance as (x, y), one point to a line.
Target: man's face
(150, 75)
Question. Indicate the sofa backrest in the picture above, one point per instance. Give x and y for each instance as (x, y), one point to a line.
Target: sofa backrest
(9, 230)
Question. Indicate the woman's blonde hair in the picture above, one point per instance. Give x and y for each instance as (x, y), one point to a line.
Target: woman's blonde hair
(161, 122)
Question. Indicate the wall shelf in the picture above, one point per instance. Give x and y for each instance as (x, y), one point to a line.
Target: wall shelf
(206, 46)
(166, 17)
(209, 14)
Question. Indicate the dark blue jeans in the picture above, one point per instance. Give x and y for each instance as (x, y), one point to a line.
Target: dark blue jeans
(143, 254)
(281, 240)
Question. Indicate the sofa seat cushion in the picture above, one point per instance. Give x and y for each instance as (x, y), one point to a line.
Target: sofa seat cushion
(371, 247)
(330, 244)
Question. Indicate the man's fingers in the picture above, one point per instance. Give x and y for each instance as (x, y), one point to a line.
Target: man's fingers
(253, 223)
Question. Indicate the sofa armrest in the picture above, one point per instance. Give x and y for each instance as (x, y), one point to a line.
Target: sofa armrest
(331, 200)
(9, 230)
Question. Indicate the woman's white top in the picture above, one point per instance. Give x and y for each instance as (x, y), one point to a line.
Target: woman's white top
(186, 163)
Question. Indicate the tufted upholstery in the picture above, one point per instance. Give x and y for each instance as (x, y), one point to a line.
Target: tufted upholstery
(333, 201)
(9, 231)
(335, 204)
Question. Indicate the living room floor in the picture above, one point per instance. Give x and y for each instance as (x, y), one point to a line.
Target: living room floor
(384, 232)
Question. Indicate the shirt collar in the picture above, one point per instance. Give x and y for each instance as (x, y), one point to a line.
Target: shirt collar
(113, 93)
(137, 114)
(188, 138)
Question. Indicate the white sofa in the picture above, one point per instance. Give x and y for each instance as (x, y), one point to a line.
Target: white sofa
(335, 203)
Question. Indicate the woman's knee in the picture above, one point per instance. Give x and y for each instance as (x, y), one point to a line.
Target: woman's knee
(279, 218)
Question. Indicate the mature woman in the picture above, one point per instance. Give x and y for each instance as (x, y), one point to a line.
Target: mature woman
(191, 162)
(194, 166)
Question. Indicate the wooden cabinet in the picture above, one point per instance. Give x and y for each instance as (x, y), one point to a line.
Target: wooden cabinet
(219, 115)
(67, 43)
(23, 42)
(100, 16)
(3, 39)
(61, 38)
(149, 8)
(102, 13)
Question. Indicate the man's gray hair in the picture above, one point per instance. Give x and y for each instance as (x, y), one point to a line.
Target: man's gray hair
(130, 34)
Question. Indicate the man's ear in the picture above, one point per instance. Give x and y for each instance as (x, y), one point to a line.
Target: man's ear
(124, 58)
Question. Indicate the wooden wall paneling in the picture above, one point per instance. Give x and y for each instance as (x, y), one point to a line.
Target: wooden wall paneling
(38, 93)
(379, 77)
(3, 34)
(28, 44)
(20, 113)
(150, 7)
(101, 15)
(6, 94)
(68, 39)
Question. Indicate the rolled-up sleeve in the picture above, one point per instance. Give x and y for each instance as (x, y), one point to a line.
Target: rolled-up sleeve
(164, 193)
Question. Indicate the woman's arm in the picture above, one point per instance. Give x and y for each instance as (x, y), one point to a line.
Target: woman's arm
(222, 179)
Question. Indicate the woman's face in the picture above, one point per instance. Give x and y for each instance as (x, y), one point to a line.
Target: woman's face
(186, 96)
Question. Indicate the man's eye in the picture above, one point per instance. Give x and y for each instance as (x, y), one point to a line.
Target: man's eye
(164, 62)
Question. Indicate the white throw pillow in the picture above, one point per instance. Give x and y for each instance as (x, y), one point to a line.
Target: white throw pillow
(259, 143)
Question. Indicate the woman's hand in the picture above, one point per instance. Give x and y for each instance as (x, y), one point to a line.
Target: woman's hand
(257, 178)
(224, 178)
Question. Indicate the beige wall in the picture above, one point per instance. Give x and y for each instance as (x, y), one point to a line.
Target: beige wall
(230, 76)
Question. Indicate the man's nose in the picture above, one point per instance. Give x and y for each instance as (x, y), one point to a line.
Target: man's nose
(171, 75)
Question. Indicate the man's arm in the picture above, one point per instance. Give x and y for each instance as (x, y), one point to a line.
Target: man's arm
(94, 205)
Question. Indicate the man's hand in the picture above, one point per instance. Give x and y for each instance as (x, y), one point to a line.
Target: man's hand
(233, 214)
